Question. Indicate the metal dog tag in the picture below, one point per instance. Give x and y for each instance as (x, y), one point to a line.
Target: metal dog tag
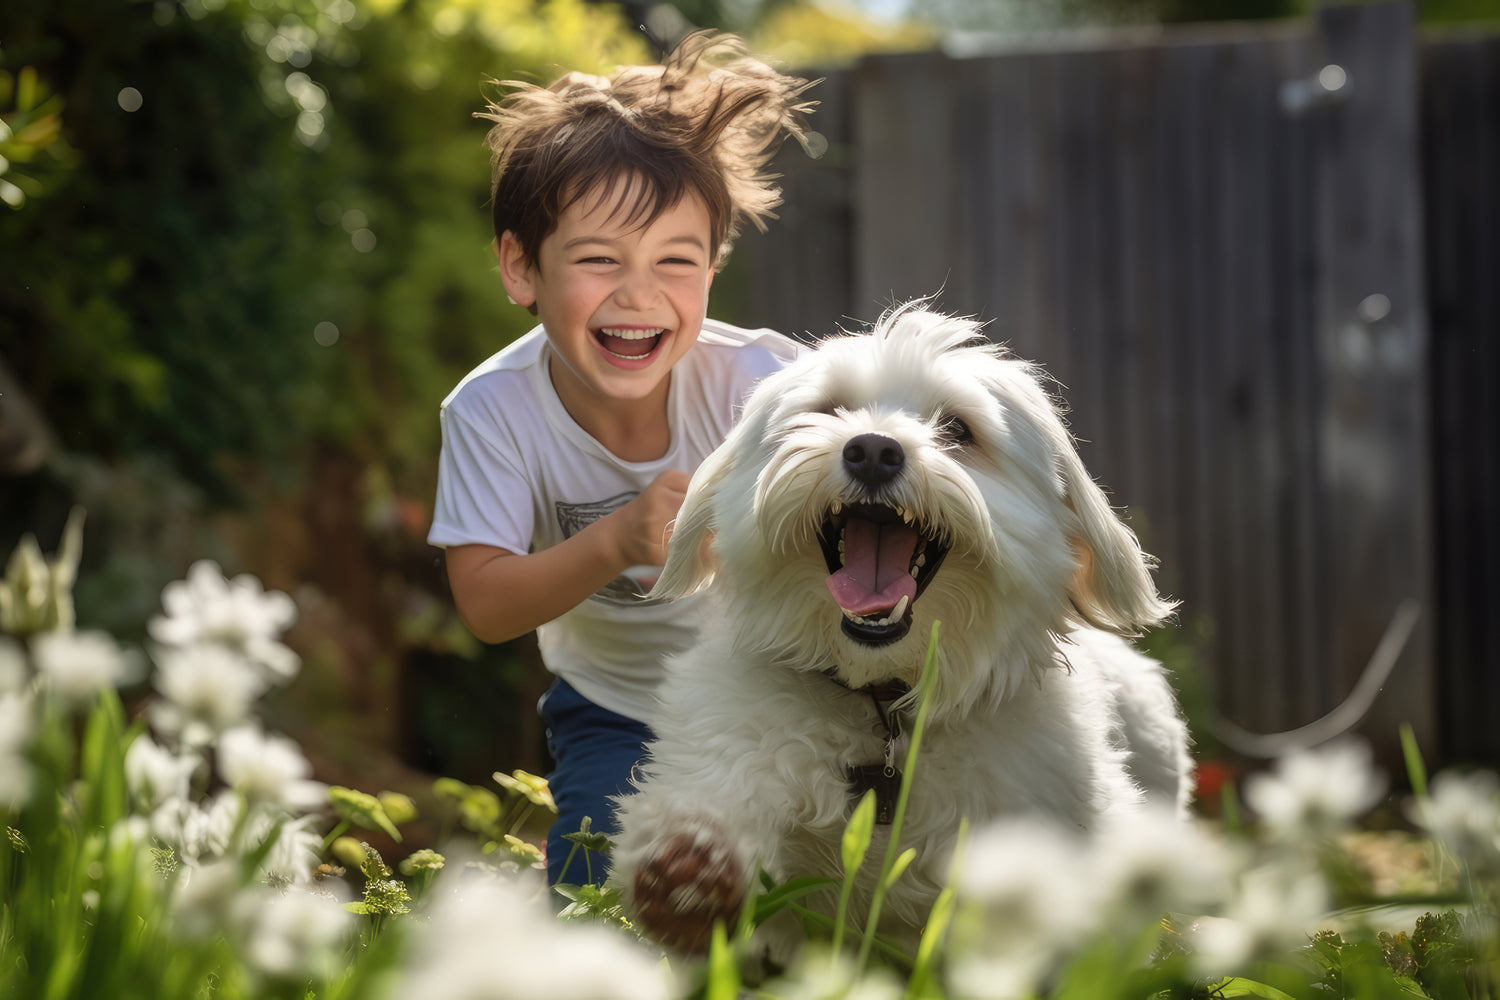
(885, 780)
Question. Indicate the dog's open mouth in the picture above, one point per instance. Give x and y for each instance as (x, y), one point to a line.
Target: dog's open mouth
(879, 562)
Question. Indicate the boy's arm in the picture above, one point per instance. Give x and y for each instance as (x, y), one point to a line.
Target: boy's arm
(501, 595)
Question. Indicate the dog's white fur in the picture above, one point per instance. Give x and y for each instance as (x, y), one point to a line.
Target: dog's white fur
(1039, 705)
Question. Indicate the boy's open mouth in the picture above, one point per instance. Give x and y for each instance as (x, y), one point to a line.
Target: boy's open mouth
(629, 343)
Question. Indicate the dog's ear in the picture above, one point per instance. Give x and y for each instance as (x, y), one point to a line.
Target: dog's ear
(1112, 587)
(690, 560)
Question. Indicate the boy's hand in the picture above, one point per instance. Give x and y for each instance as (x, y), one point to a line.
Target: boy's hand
(642, 528)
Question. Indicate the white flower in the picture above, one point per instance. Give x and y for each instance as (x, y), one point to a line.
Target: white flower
(202, 897)
(155, 774)
(292, 934)
(12, 666)
(268, 770)
(1026, 874)
(1463, 812)
(296, 852)
(1003, 974)
(238, 613)
(455, 954)
(132, 832)
(15, 781)
(76, 666)
(1275, 909)
(17, 722)
(1315, 793)
(819, 975)
(208, 689)
(17, 725)
(1150, 862)
(198, 832)
(1024, 902)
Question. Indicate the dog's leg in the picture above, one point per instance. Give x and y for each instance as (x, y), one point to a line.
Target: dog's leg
(692, 881)
(694, 836)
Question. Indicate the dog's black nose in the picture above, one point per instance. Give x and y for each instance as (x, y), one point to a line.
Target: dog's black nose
(873, 459)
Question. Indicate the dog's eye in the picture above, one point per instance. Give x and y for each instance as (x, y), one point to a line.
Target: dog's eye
(955, 431)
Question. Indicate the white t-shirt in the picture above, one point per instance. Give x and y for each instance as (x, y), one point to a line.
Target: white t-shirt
(518, 473)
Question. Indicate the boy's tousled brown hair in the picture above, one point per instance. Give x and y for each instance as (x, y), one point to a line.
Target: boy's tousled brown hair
(707, 120)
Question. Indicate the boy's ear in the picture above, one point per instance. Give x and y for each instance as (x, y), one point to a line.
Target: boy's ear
(516, 271)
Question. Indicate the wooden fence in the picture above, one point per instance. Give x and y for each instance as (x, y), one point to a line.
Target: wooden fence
(1261, 260)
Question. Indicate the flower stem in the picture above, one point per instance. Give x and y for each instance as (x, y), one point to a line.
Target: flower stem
(893, 845)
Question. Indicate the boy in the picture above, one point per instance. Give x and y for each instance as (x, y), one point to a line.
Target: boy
(566, 456)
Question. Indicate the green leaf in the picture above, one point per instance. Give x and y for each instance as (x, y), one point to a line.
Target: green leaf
(776, 900)
(591, 841)
(103, 763)
(900, 866)
(1236, 986)
(363, 810)
(723, 971)
(1416, 768)
(858, 833)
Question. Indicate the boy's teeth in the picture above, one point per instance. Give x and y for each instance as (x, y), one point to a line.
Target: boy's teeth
(631, 334)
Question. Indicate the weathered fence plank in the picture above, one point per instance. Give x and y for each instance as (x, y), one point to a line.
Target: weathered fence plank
(1372, 330)
(1460, 111)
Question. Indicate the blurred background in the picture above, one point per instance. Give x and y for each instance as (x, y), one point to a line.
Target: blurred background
(244, 255)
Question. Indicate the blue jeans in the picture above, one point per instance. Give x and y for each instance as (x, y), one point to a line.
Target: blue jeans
(594, 750)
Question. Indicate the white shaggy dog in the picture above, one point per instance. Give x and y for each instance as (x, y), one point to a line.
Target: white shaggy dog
(878, 484)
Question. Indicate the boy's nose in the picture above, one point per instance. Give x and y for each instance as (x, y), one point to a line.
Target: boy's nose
(636, 291)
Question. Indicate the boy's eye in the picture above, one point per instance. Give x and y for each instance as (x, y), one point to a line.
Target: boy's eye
(681, 261)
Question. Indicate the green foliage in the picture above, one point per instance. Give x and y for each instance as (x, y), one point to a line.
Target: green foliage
(270, 230)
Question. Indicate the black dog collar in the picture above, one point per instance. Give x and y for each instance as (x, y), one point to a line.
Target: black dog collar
(883, 777)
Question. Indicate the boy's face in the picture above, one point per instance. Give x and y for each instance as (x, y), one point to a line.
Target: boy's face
(621, 303)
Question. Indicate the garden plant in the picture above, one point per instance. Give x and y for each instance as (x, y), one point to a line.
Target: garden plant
(161, 843)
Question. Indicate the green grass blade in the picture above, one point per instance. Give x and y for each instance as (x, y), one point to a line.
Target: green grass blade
(913, 752)
(723, 969)
(933, 935)
(1416, 767)
(856, 844)
(777, 899)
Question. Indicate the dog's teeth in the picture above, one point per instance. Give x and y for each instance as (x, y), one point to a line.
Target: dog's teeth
(838, 506)
(920, 561)
(899, 611)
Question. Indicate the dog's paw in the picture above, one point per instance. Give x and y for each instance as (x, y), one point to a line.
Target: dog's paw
(685, 887)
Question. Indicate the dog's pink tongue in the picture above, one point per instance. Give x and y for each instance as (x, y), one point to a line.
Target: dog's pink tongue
(877, 567)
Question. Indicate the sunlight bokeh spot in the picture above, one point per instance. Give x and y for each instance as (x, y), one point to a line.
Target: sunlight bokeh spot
(326, 334)
(363, 240)
(449, 21)
(129, 99)
(310, 124)
(308, 95)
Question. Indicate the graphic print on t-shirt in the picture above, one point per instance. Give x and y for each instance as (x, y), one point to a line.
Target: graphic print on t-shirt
(574, 517)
